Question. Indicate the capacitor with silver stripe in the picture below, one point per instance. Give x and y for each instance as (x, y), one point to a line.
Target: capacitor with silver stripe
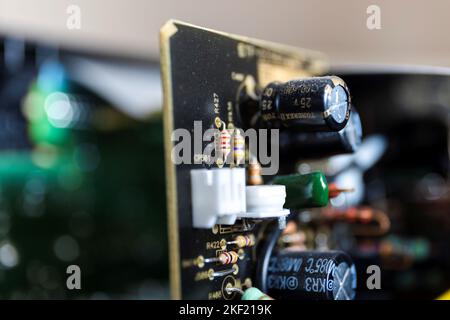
(309, 104)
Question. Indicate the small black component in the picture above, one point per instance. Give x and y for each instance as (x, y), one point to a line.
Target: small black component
(312, 275)
(311, 104)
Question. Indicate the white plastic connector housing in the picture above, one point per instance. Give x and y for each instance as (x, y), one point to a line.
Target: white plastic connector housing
(265, 201)
(218, 196)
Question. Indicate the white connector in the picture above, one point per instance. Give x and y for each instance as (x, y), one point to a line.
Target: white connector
(265, 201)
(219, 196)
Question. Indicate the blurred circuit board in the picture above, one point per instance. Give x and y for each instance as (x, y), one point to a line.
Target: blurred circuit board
(80, 183)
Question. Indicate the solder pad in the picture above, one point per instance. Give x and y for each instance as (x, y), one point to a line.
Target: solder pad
(203, 72)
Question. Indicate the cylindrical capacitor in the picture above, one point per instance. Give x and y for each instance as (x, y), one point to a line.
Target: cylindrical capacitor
(310, 104)
(304, 190)
(323, 144)
(312, 275)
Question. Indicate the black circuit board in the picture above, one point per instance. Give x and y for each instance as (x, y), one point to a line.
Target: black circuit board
(204, 74)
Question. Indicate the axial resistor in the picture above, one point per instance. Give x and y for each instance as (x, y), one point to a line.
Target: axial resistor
(245, 241)
(254, 173)
(228, 257)
(224, 143)
(238, 147)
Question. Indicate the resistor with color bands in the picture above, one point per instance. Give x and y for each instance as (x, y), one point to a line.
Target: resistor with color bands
(224, 144)
(238, 147)
(228, 257)
(243, 241)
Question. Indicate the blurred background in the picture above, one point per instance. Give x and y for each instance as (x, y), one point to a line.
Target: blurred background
(81, 152)
(412, 32)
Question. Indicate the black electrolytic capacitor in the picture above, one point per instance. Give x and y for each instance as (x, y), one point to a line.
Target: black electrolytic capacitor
(311, 275)
(323, 144)
(310, 104)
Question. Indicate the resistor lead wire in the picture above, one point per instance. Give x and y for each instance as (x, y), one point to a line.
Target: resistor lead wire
(224, 273)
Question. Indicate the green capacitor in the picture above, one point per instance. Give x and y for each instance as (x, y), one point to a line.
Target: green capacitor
(304, 190)
(255, 294)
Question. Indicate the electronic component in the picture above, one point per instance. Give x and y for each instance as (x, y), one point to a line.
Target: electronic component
(311, 275)
(311, 104)
(226, 257)
(322, 144)
(212, 274)
(265, 201)
(238, 147)
(304, 190)
(243, 241)
(254, 173)
(334, 191)
(223, 144)
(218, 196)
(251, 293)
(254, 294)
